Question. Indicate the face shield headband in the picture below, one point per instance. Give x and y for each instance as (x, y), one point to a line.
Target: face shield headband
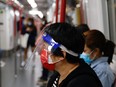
(53, 45)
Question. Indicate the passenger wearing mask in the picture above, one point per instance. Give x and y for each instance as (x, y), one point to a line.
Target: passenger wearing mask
(63, 44)
(98, 54)
(32, 31)
(45, 72)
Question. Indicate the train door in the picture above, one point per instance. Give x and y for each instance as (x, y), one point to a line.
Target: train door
(95, 15)
(6, 27)
(112, 19)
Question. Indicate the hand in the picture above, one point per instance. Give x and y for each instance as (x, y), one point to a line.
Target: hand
(28, 29)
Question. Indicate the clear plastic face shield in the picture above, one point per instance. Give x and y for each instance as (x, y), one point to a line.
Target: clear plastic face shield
(46, 42)
(45, 46)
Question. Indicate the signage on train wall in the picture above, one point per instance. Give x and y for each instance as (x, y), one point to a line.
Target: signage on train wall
(1, 19)
(3, 0)
(1, 11)
(8, 1)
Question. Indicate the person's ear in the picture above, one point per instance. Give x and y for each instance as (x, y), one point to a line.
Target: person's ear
(64, 53)
(96, 51)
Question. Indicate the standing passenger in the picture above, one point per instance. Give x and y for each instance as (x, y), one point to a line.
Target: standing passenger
(32, 31)
(64, 43)
(45, 72)
(83, 28)
(98, 53)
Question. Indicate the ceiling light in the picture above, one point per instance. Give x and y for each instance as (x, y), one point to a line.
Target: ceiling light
(32, 3)
(18, 3)
(36, 12)
(17, 13)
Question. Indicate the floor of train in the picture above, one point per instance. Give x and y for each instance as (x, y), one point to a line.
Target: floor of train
(12, 75)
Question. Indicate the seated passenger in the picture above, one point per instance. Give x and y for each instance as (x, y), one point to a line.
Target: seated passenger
(83, 28)
(64, 43)
(98, 53)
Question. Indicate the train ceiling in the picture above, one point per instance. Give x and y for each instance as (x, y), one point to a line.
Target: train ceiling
(43, 5)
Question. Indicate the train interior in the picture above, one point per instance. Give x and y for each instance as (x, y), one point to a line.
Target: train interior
(98, 14)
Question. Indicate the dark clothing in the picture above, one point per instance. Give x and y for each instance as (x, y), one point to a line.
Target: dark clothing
(23, 31)
(45, 73)
(0, 53)
(82, 76)
(32, 37)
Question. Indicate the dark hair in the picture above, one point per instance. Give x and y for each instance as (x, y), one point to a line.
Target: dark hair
(22, 17)
(68, 36)
(109, 50)
(96, 39)
(31, 20)
(83, 28)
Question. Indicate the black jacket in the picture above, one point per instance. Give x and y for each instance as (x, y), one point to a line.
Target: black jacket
(82, 76)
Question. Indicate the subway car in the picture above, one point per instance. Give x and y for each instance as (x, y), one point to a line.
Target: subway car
(20, 64)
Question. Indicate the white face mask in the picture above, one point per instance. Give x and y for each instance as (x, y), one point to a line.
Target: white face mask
(29, 23)
(70, 13)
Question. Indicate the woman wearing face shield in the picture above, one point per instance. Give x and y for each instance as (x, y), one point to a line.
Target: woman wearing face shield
(59, 51)
(98, 54)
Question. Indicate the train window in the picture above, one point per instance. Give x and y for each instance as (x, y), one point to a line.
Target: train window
(112, 20)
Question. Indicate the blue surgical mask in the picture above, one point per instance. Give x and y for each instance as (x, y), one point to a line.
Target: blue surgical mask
(86, 57)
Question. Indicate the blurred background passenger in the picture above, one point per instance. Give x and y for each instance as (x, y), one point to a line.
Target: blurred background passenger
(98, 54)
(83, 28)
(32, 31)
(45, 72)
(64, 43)
(38, 23)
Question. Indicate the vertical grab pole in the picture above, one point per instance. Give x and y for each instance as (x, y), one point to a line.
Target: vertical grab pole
(20, 22)
(57, 7)
(20, 29)
(82, 11)
(62, 10)
(15, 62)
(0, 63)
(0, 71)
